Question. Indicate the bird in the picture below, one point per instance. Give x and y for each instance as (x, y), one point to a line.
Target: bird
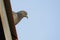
(18, 16)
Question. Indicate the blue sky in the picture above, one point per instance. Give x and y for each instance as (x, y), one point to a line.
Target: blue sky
(43, 22)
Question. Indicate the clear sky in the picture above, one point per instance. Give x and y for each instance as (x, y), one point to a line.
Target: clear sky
(43, 22)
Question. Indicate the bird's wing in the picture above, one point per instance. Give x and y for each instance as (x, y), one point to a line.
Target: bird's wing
(15, 17)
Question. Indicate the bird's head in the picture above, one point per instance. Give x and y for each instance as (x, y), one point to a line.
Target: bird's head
(23, 13)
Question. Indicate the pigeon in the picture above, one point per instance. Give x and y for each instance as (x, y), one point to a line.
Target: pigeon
(17, 16)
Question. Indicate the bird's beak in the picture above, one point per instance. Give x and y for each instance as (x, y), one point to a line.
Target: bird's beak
(27, 17)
